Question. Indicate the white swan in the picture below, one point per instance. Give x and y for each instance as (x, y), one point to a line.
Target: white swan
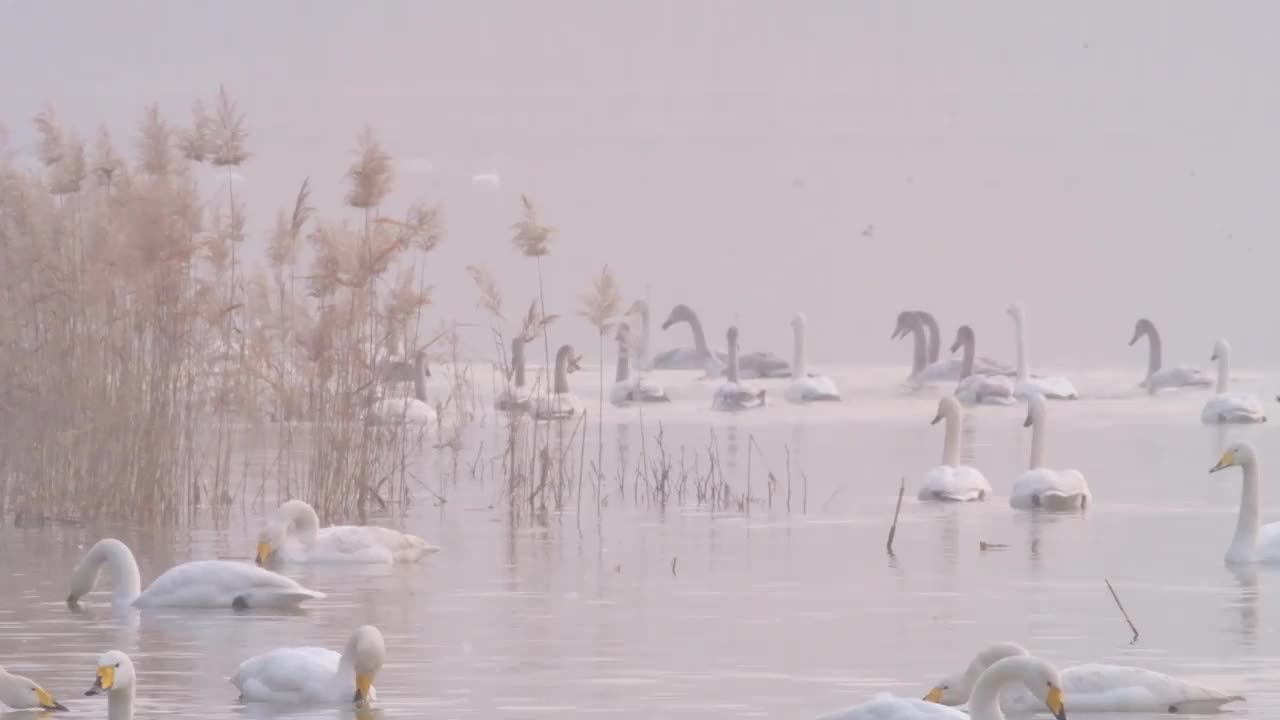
(407, 410)
(1056, 387)
(1092, 687)
(1229, 407)
(1037, 676)
(952, 481)
(804, 387)
(196, 584)
(116, 677)
(750, 365)
(926, 366)
(294, 535)
(1253, 542)
(562, 404)
(20, 693)
(734, 395)
(1159, 378)
(626, 391)
(313, 675)
(1042, 487)
(974, 389)
(515, 397)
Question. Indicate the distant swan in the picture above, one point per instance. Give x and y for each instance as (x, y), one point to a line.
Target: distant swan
(408, 410)
(750, 365)
(1090, 688)
(1055, 387)
(195, 584)
(626, 391)
(20, 693)
(1035, 675)
(1157, 378)
(1253, 542)
(1229, 407)
(1041, 487)
(804, 387)
(515, 397)
(952, 481)
(734, 395)
(294, 535)
(562, 404)
(926, 367)
(979, 389)
(116, 677)
(314, 675)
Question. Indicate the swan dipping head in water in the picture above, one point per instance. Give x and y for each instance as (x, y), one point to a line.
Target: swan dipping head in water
(20, 693)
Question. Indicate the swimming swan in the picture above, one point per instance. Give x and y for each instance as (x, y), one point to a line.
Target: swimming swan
(1055, 387)
(733, 395)
(408, 410)
(1160, 378)
(294, 535)
(952, 481)
(626, 391)
(116, 677)
(926, 367)
(1092, 687)
(750, 365)
(515, 398)
(1041, 487)
(20, 693)
(976, 389)
(562, 404)
(1229, 407)
(195, 584)
(313, 675)
(1037, 676)
(804, 387)
(1253, 542)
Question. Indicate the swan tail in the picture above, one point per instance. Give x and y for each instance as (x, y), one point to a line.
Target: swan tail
(1204, 705)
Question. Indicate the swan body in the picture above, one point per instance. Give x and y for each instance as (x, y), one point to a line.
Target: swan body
(406, 410)
(294, 535)
(562, 404)
(1056, 387)
(1041, 487)
(973, 388)
(21, 693)
(313, 675)
(804, 387)
(1159, 378)
(734, 395)
(625, 390)
(1226, 406)
(1091, 687)
(196, 584)
(116, 677)
(1253, 542)
(750, 365)
(515, 397)
(952, 481)
(1036, 676)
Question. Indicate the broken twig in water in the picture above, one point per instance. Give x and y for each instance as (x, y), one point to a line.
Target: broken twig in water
(1116, 597)
(893, 529)
(984, 546)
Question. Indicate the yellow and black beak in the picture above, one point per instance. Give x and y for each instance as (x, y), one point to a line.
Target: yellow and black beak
(46, 700)
(264, 552)
(363, 682)
(934, 696)
(105, 681)
(1053, 701)
(1227, 460)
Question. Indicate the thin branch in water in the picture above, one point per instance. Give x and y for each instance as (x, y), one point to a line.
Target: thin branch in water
(893, 529)
(1123, 612)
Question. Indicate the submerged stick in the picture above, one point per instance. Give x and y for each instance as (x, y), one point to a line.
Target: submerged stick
(1116, 597)
(893, 529)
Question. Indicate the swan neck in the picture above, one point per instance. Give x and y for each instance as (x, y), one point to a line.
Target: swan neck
(699, 338)
(935, 338)
(120, 704)
(517, 361)
(126, 579)
(984, 703)
(645, 333)
(1250, 511)
(624, 368)
(1037, 441)
(1224, 370)
(798, 367)
(966, 365)
(919, 355)
(1024, 359)
(951, 442)
(731, 372)
(1155, 351)
(420, 377)
(562, 371)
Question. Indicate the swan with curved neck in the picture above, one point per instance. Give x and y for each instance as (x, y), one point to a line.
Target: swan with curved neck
(294, 535)
(515, 398)
(750, 365)
(414, 410)
(199, 583)
(116, 677)
(1055, 387)
(806, 388)
(734, 395)
(1253, 542)
(313, 675)
(1092, 687)
(22, 693)
(1158, 377)
(1041, 487)
(1226, 406)
(952, 481)
(923, 328)
(563, 403)
(978, 389)
(1035, 675)
(626, 391)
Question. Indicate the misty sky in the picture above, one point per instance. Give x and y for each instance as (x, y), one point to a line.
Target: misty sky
(1096, 160)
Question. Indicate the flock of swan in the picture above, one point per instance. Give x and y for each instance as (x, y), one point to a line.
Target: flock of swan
(290, 676)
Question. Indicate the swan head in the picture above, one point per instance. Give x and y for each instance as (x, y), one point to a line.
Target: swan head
(964, 335)
(1140, 328)
(948, 405)
(21, 693)
(570, 359)
(799, 321)
(1221, 349)
(1035, 409)
(115, 673)
(1016, 311)
(639, 307)
(907, 321)
(1240, 452)
(955, 688)
(367, 651)
(679, 314)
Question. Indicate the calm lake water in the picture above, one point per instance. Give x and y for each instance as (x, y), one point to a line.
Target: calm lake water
(686, 613)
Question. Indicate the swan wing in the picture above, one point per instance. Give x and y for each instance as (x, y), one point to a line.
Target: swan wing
(559, 406)
(223, 584)
(367, 545)
(1050, 490)
(737, 396)
(1054, 387)
(1097, 687)
(1175, 377)
(954, 483)
(294, 676)
(888, 707)
(763, 365)
(678, 359)
(1233, 408)
(985, 390)
(812, 388)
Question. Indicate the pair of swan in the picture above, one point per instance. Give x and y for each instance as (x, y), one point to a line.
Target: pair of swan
(1093, 687)
(1226, 406)
(294, 535)
(750, 365)
(627, 391)
(926, 367)
(517, 398)
(284, 676)
(415, 410)
(1158, 377)
(1037, 677)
